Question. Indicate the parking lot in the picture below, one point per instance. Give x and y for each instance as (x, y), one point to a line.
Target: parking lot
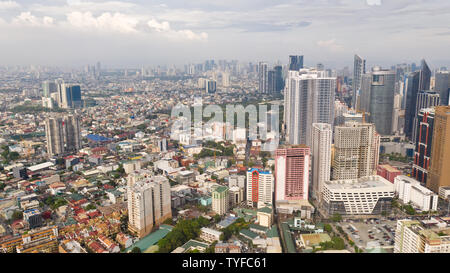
(370, 233)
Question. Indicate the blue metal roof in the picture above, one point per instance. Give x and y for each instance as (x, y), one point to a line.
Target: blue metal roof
(258, 170)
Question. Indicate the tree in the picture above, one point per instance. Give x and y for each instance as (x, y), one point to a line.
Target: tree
(136, 250)
(217, 218)
(17, 215)
(327, 228)
(336, 217)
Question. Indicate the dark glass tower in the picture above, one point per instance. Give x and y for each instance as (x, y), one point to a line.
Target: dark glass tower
(295, 62)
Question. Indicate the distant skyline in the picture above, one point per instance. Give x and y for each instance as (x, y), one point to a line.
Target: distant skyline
(134, 33)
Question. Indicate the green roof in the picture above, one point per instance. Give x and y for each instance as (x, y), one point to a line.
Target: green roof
(248, 233)
(151, 239)
(265, 210)
(221, 189)
(258, 227)
(288, 238)
(273, 232)
(195, 244)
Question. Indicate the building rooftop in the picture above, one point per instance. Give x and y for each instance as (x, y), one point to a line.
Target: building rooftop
(361, 183)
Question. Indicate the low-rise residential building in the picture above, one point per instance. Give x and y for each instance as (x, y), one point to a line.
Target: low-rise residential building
(410, 190)
(209, 234)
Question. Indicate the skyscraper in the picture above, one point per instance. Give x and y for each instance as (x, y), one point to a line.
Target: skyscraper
(48, 88)
(356, 153)
(69, 96)
(322, 136)
(279, 82)
(442, 86)
(62, 134)
(292, 172)
(54, 133)
(220, 200)
(149, 204)
(425, 99)
(309, 99)
(359, 69)
(295, 62)
(378, 90)
(411, 89)
(423, 144)
(259, 187)
(263, 75)
(439, 172)
(72, 137)
(425, 76)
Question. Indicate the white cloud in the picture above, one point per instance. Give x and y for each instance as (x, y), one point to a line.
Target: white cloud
(164, 28)
(373, 2)
(4, 5)
(116, 22)
(26, 18)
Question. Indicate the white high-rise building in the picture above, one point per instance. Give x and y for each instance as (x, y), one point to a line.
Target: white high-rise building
(410, 190)
(149, 204)
(356, 153)
(309, 98)
(260, 187)
(413, 237)
(220, 200)
(322, 136)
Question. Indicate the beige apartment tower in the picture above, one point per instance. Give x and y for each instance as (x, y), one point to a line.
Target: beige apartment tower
(356, 151)
(439, 172)
(148, 204)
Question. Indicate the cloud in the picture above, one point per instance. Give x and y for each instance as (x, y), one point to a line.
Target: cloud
(373, 2)
(27, 19)
(4, 5)
(164, 28)
(116, 22)
(331, 45)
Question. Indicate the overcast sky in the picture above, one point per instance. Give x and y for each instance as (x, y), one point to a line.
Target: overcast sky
(151, 32)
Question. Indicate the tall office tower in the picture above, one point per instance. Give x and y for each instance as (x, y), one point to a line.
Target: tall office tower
(211, 86)
(309, 99)
(425, 99)
(271, 85)
(295, 63)
(322, 136)
(411, 236)
(279, 82)
(48, 88)
(411, 89)
(220, 200)
(425, 76)
(356, 151)
(54, 133)
(263, 78)
(69, 96)
(442, 86)
(72, 135)
(423, 144)
(359, 69)
(292, 172)
(377, 98)
(439, 172)
(260, 187)
(149, 204)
